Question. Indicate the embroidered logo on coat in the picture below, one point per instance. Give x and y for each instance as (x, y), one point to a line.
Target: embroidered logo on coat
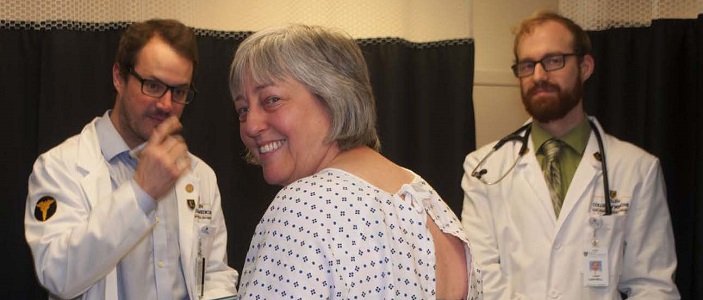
(45, 208)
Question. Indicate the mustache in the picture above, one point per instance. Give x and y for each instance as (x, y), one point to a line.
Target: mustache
(543, 86)
(161, 113)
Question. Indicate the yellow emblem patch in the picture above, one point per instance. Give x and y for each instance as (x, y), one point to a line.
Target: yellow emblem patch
(45, 208)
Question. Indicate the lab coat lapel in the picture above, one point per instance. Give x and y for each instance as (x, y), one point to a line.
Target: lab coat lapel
(96, 185)
(532, 183)
(187, 195)
(96, 182)
(581, 188)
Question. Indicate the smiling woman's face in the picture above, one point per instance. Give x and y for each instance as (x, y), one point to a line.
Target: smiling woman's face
(284, 126)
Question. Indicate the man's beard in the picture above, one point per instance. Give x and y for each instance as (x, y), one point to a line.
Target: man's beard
(547, 110)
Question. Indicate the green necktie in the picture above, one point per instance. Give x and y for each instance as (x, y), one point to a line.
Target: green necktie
(552, 175)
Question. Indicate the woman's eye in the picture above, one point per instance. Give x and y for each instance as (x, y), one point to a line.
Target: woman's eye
(271, 100)
(242, 112)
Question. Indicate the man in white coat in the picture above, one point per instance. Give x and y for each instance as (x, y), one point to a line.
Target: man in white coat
(533, 242)
(122, 210)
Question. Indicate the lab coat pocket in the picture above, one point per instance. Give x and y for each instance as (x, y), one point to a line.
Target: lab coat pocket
(613, 238)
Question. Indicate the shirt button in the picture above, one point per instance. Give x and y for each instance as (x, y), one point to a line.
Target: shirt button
(158, 220)
(161, 264)
(554, 294)
(556, 246)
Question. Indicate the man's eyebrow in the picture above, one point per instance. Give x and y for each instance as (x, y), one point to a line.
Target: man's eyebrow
(154, 78)
(543, 56)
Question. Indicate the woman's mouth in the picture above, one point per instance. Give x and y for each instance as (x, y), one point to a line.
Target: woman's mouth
(271, 146)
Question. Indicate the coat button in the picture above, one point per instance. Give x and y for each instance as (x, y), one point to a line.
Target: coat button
(556, 246)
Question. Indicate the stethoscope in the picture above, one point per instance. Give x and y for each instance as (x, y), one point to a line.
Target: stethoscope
(478, 171)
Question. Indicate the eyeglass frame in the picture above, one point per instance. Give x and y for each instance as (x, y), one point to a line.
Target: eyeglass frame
(563, 56)
(191, 92)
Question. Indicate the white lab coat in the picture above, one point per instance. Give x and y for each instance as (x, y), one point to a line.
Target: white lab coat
(524, 252)
(77, 249)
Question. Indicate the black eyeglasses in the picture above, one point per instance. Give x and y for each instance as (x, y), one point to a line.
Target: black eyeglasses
(158, 89)
(549, 63)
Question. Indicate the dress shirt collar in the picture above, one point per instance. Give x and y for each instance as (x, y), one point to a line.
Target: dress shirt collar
(111, 143)
(576, 139)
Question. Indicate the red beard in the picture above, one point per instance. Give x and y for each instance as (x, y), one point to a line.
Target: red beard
(545, 108)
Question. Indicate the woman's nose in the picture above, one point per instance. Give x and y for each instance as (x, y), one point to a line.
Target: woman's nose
(255, 123)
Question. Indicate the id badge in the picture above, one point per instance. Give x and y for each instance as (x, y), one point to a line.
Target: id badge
(205, 234)
(595, 267)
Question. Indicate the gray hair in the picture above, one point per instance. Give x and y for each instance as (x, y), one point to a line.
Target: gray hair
(328, 62)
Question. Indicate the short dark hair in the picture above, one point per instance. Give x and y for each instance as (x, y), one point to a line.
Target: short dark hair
(174, 33)
(581, 44)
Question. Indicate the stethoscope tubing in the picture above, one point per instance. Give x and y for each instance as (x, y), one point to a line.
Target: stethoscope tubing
(606, 183)
(515, 136)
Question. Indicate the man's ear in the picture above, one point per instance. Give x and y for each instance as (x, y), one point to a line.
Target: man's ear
(587, 65)
(117, 79)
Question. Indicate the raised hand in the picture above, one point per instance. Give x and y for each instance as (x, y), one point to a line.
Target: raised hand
(163, 159)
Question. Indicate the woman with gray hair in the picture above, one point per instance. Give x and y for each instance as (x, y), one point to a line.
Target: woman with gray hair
(348, 223)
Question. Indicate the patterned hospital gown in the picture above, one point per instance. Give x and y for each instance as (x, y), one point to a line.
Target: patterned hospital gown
(333, 235)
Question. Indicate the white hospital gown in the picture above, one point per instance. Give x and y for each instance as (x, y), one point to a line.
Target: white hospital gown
(333, 235)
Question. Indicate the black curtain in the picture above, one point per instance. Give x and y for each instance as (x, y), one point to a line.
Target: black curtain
(52, 82)
(647, 89)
